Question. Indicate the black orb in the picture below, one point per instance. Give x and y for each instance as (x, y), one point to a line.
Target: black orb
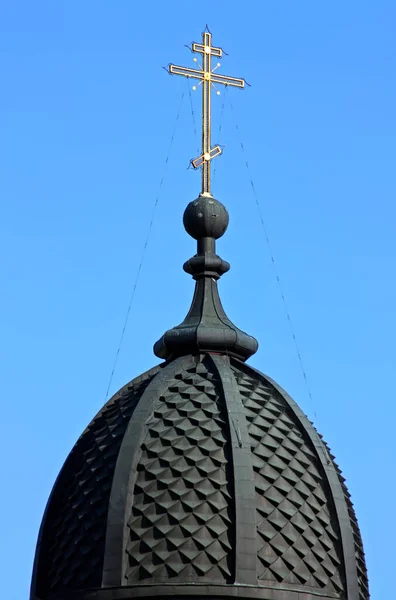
(205, 217)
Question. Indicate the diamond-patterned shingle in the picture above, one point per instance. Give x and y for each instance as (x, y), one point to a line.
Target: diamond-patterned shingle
(363, 586)
(75, 529)
(181, 525)
(298, 538)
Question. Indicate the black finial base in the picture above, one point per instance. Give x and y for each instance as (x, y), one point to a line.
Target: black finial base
(206, 328)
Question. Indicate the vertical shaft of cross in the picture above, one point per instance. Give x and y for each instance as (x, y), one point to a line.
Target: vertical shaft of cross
(206, 134)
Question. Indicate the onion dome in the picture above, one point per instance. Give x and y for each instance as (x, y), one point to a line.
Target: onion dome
(200, 478)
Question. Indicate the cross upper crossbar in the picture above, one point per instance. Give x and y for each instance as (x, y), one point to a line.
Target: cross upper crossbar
(206, 47)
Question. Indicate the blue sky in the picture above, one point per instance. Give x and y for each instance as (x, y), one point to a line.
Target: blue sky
(86, 116)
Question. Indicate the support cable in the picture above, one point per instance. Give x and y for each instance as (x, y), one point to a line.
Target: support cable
(221, 120)
(165, 168)
(193, 115)
(274, 265)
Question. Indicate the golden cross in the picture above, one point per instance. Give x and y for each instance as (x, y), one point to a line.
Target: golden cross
(208, 78)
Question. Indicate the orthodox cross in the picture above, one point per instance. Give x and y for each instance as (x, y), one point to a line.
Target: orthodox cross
(208, 79)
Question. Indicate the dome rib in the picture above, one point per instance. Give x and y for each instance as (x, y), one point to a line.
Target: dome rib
(74, 521)
(181, 522)
(243, 476)
(337, 493)
(121, 497)
(355, 584)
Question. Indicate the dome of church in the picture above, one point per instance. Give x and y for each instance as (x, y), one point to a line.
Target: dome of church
(201, 477)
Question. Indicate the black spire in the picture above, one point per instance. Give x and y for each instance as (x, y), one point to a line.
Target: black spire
(206, 328)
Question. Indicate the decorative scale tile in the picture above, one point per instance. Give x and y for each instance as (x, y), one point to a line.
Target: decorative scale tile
(298, 541)
(76, 518)
(181, 525)
(359, 552)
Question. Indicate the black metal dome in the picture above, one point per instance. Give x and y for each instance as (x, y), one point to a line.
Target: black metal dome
(200, 478)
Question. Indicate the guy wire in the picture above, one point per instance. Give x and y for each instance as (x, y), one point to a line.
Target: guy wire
(274, 265)
(193, 115)
(165, 168)
(220, 126)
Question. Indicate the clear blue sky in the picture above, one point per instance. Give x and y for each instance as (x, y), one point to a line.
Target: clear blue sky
(86, 115)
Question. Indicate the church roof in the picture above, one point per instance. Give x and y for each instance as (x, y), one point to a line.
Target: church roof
(200, 474)
(201, 477)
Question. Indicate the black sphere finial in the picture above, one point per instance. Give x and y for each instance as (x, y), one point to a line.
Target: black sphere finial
(206, 328)
(205, 217)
